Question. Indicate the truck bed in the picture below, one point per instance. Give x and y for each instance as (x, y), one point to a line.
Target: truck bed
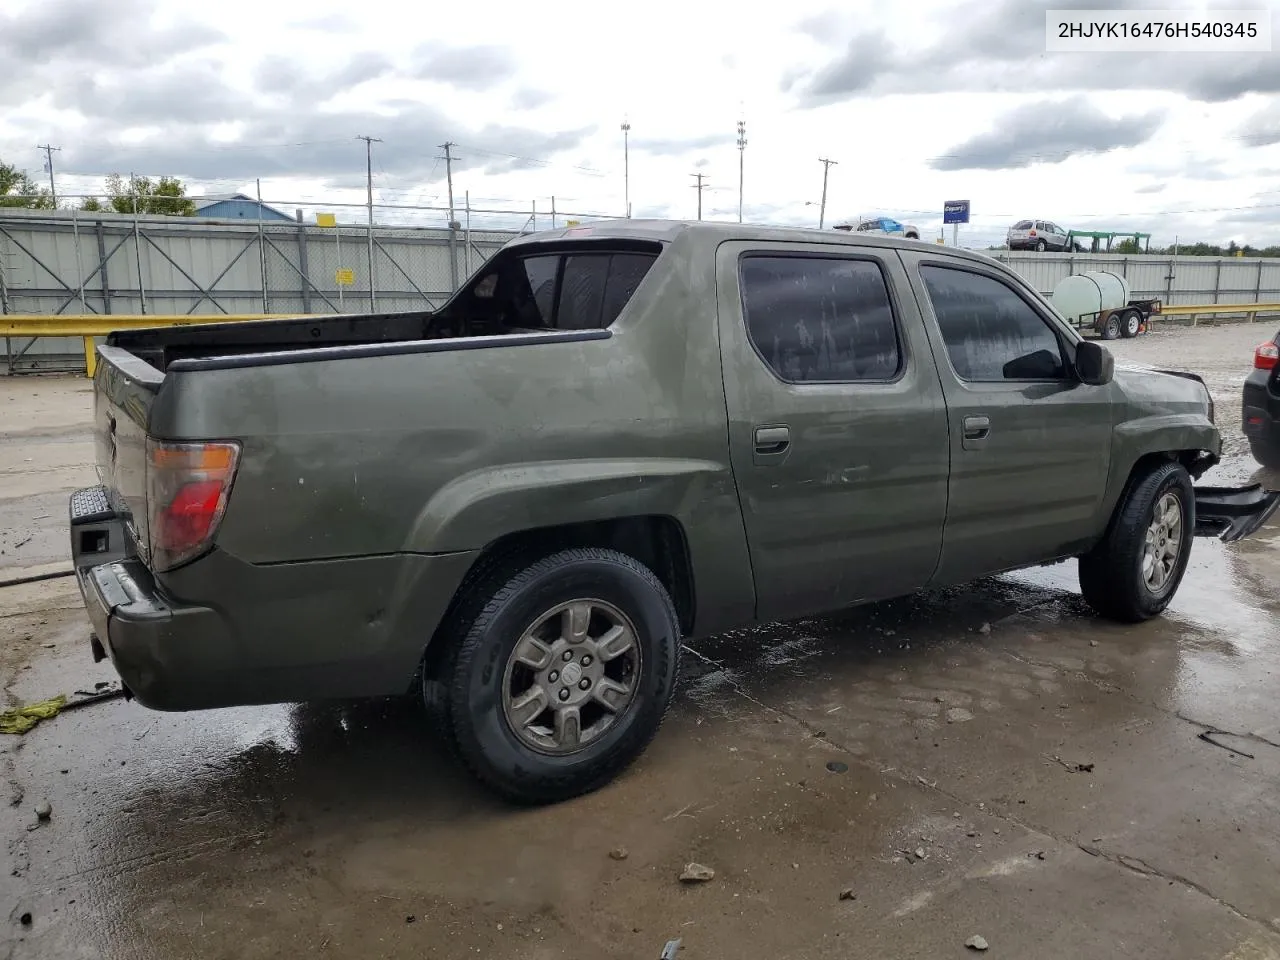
(162, 346)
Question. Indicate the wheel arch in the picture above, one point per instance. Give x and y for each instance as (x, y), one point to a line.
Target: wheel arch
(659, 541)
(1195, 459)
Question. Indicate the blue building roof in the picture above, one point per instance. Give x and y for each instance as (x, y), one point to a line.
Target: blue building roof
(237, 206)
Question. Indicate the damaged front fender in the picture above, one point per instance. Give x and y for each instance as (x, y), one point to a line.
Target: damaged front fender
(1233, 513)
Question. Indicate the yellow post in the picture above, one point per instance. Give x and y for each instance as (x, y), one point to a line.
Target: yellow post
(90, 357)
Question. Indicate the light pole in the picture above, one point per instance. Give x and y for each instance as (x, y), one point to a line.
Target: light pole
(822, 210)
(742, 147)
(626, 167)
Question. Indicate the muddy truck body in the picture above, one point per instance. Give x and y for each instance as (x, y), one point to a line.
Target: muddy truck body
(612, 438)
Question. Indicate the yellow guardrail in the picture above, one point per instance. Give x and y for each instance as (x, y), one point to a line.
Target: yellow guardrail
(1217, 309)
(88, 326)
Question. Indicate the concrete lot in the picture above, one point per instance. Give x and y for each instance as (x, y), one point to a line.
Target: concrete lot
(1059, 785)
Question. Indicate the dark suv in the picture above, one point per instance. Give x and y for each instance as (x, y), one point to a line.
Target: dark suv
(1262, 403)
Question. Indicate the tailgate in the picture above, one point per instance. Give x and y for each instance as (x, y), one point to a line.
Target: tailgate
(124, 389)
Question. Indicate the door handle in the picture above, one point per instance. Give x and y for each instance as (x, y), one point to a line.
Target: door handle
(977, 428)
(772, 439)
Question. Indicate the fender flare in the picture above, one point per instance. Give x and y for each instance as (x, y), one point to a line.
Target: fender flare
(483, 505)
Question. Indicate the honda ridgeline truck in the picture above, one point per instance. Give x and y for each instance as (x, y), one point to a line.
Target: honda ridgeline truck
(613, 437)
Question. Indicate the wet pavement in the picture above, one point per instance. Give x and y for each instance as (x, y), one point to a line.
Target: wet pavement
(989, 760)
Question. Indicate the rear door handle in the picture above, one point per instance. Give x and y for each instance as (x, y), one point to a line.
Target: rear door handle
(977, 428)
(772, 440)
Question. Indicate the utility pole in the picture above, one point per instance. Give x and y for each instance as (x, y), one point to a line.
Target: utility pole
(49, 151)
(626, 167)
(368, 161)
(742, 146)
(699, 186)
(822, 210)
(448, 159)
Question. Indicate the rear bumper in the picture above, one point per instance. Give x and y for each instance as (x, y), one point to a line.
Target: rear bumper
(220, 632)
(168, 658)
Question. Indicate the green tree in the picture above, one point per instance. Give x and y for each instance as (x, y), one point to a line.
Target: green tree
(17, 189)
(1128, 245)
(164, 197)
(92, 205)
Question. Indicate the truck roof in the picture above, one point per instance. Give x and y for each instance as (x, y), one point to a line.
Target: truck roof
(665, 231)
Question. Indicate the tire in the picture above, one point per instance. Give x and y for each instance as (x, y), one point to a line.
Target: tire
(479, 672)
(1267, 454)
(1040, 246)
(1112, 329)
(913, 236)
(1130, 324)
(1113, 575)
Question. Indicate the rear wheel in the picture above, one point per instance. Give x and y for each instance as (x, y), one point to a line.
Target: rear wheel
(1111, 328)
(559, 673)
(1266, 452)
(1135, 571)
(1041, 246)
(1130, 324)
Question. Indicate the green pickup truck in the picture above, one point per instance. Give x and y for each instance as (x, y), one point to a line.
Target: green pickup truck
(611, 438)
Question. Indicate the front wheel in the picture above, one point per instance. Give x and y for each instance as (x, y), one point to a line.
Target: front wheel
(1133, 573)
(1111, 329)
(562, 674)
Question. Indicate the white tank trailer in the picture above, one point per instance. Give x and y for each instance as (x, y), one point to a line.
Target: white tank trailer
(1101, 301)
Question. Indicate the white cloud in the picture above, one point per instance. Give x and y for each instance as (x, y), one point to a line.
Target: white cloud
(533, 97)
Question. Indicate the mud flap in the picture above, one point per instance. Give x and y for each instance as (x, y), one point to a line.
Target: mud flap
(1233, 513)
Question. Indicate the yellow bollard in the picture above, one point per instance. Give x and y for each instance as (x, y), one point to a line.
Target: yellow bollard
(90, 357)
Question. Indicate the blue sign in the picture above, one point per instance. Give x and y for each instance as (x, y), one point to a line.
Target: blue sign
(955, 211)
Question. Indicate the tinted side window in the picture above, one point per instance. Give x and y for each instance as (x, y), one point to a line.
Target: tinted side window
(534, 296)
(991, 333)
(596, 286)
(813, 319)
(626, 270)
(1022, 225)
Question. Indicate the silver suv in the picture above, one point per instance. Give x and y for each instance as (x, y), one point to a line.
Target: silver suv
(1039, 235)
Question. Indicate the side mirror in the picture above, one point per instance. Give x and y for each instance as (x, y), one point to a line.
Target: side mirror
(1094, 363)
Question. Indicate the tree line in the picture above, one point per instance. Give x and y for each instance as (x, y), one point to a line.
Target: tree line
(166, 196)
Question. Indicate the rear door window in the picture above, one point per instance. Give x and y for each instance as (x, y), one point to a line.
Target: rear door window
(820, 319)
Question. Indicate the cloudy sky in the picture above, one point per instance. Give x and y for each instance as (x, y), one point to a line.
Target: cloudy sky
(918, 101)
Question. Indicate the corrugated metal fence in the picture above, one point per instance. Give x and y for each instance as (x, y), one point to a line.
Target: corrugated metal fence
(65, 262)
(69, 263)
(1175, 280)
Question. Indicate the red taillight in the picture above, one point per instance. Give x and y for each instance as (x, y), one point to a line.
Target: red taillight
(1031, 233)
(187, 488)
(1266, 356)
